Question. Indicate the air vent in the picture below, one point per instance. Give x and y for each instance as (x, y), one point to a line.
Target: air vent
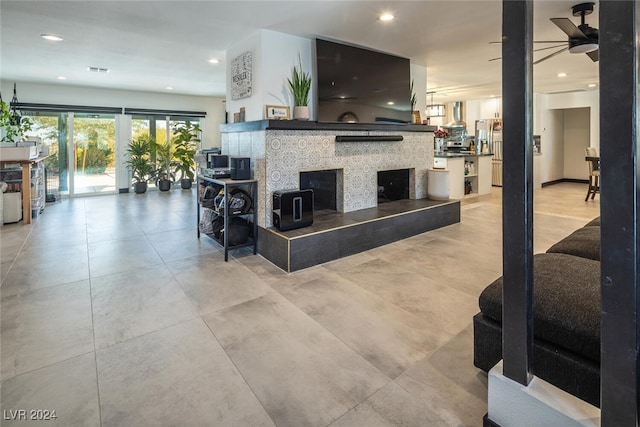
(97, 70)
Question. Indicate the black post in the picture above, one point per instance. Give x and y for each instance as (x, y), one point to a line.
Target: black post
(517, 189)
(620, 229)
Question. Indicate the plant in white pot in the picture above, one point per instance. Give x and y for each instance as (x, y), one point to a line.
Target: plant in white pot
(300, 84)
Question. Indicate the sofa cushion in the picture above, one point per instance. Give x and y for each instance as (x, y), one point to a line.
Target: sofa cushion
(595, 221)
(566, 302)
(584, 242)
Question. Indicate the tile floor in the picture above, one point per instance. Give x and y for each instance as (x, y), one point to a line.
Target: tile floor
(114, 314)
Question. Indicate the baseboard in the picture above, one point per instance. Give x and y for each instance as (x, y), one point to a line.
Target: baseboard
(486, 422)
(560, 181)
(123, 190)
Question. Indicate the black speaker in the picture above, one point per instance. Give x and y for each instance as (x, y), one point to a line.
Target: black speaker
(292, 209)
(240, 167)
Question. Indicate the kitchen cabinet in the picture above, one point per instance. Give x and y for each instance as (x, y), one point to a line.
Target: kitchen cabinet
(234, 206)
(469, 174)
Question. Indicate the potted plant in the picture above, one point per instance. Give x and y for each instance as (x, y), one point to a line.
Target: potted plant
(162, 174)
(185, 140)
(139, 162)
(300, 84)
(14, 128)
(413, 103)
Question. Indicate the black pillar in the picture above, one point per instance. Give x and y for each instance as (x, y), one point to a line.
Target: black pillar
(517, 189)
(619, 140)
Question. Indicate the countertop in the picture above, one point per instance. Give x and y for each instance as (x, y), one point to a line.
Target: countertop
(448, 155)
(304, 125)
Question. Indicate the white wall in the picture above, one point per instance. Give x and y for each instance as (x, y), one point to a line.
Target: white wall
(562, 143)
(274, 55)
(576, 139)
(76, 95)
(419, 78)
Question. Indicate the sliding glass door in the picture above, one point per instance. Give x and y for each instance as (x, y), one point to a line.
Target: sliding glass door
(93, 161)
(81, 150)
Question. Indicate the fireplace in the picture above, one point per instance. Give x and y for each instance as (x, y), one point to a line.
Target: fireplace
(393, 185)
(326, 185)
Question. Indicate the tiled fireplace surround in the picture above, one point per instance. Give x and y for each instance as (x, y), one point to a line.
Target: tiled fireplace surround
(278, 155)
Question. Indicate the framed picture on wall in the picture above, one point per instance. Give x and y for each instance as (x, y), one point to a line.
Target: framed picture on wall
(241, 76)
(276, 112)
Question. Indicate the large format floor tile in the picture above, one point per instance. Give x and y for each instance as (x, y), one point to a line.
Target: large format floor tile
(179, 376)
(114, 314)
(302, 374)
(67, 391)
(38, 268)
(212, 284)
(389, 337)
(127, 305)
(47, 326)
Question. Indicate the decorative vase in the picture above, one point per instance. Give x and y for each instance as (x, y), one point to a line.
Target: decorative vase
(301, 112)
(439, 145)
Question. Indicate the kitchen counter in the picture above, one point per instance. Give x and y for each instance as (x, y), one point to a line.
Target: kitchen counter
(453, 154)
(469, 173)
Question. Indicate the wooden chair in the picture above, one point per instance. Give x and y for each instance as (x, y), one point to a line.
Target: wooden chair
(593, 161)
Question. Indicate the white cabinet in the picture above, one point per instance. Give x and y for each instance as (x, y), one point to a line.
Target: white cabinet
(469, 175)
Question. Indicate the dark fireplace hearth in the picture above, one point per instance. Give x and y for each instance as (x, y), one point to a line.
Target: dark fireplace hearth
(393, 185)
(324, 186)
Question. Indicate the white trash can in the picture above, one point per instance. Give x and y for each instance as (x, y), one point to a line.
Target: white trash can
(438, 184)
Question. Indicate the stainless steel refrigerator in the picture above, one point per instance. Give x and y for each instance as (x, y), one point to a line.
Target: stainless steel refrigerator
(489, 140)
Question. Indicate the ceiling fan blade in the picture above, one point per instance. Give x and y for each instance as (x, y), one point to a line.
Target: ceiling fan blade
(535, 50)
(594, 55)
(569, 28)
(538, 41)
(552, 55)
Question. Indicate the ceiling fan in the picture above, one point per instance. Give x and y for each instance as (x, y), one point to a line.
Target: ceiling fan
(582, 39)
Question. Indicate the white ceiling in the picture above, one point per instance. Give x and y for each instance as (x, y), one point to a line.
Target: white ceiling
(149, 45)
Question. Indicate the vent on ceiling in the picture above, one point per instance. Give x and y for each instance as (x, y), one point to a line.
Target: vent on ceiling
(97, 70)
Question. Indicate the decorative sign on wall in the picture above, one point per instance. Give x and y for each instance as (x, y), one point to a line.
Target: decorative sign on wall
(241, 76)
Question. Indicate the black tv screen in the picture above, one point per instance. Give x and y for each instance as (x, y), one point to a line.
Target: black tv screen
(359, 85)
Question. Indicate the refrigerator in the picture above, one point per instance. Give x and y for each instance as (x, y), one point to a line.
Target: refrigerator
(489, 140)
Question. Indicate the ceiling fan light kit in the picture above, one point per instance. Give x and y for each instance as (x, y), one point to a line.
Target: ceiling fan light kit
(581, 39)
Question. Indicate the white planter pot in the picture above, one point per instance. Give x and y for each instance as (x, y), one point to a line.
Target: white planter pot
(301, 112)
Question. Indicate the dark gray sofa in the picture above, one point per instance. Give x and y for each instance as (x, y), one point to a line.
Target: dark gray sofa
(566, 316)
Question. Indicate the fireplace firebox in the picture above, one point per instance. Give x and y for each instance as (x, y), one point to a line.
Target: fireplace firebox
(324, 184)
(393, 185)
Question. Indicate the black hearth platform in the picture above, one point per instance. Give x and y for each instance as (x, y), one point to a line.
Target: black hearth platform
(335, 235)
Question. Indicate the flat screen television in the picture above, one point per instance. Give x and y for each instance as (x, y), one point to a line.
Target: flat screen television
(359, 85)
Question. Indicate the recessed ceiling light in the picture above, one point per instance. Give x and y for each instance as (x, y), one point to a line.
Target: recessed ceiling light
(390, 103)
(169, 88)
(592, 85)
(214, 61)
(562, 74)
(386, 17)
(61, 78)
(51, 37)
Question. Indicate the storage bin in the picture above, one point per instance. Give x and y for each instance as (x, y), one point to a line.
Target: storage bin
(11, 207)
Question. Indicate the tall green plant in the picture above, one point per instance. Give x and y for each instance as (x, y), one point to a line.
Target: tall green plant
(300, 84)
(139, 162)
(185, 140)
(164, 161)
(413, 98)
